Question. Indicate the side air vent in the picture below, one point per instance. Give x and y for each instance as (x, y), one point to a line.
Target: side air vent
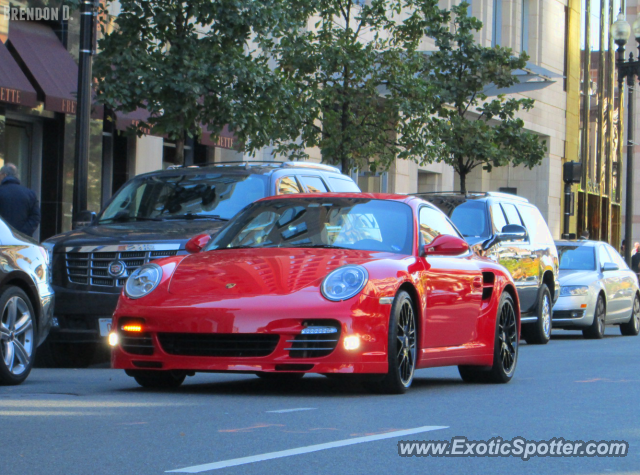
(488, 280)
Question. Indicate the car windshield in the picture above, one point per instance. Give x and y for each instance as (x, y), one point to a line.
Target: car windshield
(470, 218)
(577, 257)
(351, 223)
(187, 196)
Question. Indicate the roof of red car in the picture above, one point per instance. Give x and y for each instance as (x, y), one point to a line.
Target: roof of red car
(374, 196)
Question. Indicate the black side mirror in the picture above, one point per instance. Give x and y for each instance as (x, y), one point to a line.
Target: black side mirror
(512, 232)
(85, 218)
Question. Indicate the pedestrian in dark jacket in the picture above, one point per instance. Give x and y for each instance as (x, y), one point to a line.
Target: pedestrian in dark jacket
(19, 206)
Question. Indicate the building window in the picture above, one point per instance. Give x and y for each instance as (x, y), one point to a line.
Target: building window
(524, 31)
(496, 37)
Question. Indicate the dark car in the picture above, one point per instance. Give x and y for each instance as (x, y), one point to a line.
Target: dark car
(152, 216)
(26, 303)
(510, 230)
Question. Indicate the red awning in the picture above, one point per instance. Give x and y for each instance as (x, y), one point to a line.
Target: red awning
(15, 88)
(124, 120)
(51, 65)
(226, 139)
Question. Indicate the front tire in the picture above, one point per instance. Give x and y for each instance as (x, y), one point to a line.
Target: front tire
(539, 333)
(505, 348)
(158, 379)
(632, 327)
(596, 330)
(17, 336)
(402, 348)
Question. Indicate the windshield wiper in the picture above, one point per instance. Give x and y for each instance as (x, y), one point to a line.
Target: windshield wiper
(196, 216)
(327, 246)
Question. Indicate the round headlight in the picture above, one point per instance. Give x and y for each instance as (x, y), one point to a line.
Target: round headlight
(143, 280)
(344, 282)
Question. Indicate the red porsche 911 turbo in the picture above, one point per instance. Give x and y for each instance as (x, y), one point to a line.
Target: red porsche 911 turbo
(373, 285)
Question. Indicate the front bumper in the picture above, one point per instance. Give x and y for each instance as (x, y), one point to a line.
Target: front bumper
(573, 312)
(77, 313)
(47, 302)
(280, 316)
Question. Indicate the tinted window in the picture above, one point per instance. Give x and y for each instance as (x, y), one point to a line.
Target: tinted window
(313, 184)
(577, 257)
(512, 214)
(288, 186)
(341, 184)
(499, 221)
(535, 224)
(432, 224)
(617, 258)
(178, 196)
(352, 223)
(471, 219)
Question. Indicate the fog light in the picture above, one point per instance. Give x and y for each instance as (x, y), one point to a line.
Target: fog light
(351, 342)
(113, 339)
(132, 328)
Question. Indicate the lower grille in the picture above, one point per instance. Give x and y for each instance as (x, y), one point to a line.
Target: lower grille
(321, 339)
(137, 344)
(218, 344)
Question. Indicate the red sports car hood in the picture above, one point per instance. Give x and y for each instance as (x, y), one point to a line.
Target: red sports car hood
(245, 272)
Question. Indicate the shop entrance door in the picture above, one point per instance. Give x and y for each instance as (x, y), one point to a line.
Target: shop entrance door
(18, 142)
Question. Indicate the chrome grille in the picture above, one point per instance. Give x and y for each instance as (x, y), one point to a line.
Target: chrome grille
(90, 265)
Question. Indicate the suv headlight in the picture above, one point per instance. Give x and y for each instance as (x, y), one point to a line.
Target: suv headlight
(574, 290)
(143, 281)
(344, 282)
(48, 255)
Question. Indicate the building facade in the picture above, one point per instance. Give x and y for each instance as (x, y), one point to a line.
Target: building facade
(570, 75)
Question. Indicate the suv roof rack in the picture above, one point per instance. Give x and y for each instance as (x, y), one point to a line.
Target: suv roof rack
(496, 194)
(264, 163)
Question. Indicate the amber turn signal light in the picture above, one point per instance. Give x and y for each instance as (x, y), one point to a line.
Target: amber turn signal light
(132, 327)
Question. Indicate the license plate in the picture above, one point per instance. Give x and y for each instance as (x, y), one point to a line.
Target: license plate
(105, 326)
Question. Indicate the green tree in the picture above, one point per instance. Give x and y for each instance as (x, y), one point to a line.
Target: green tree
(348, 78)
(463, 127)
(195, 63)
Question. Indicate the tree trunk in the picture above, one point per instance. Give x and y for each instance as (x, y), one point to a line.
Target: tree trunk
(180, 152)
(462, 172)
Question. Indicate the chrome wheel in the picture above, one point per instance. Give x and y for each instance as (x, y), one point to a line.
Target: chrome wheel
(16, 335)
(546, 316)
(508, 338)
(632, 327)
(406, 334)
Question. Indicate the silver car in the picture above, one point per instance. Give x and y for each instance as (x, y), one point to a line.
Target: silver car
(26, 302)
(597, 288)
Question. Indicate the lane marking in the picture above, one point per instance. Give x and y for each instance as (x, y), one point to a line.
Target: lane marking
(282, 411)
(303, 450)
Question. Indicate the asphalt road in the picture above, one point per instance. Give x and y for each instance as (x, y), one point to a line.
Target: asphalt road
(98, 421)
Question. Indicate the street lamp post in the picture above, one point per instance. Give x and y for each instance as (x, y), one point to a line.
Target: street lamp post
(629, 69)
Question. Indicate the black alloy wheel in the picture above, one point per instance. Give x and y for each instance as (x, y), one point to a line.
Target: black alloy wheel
(505, 351)
(402, 348)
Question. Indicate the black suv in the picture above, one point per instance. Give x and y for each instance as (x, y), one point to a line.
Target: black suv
(152, 216)
(510, 230)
